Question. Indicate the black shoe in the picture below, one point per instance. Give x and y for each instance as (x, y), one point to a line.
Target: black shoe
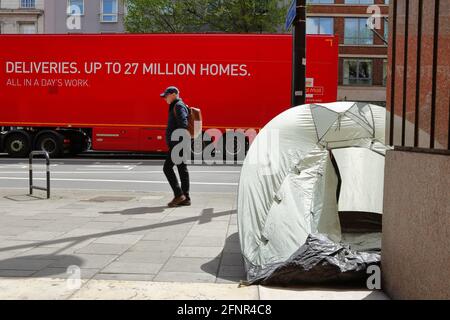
(177, 201)
(185, 203)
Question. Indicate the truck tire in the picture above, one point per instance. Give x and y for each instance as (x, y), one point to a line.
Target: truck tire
(52, 142)
(78, 142)
(18, 144)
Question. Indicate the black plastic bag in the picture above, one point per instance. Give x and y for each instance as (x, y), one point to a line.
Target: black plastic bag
(318, 261)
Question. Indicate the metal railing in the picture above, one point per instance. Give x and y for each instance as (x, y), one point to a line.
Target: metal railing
(47, 160)
(417, 105)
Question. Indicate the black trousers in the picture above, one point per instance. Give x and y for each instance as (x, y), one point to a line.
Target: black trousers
(172, 178)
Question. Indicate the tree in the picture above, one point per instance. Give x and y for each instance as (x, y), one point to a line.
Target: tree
(234, 16)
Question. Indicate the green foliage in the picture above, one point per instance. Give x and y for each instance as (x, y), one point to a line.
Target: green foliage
(234, 16)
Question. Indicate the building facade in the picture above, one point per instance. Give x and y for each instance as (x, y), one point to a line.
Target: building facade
(21, 16)
(416, 216)
(363, 52)
(84, 16)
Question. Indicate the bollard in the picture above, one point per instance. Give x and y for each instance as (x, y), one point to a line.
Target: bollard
(47, 160)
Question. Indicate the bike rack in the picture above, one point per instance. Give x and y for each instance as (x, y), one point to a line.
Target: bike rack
(47, 159)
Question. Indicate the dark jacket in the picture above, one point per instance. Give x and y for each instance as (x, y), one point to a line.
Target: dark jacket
(178, 122)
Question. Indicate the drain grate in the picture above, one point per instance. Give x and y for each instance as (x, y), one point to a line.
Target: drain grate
(109, 199)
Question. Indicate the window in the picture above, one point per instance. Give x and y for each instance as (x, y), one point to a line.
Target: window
(75, 7)
(319, 26)
(385, 64)
(359, 1)
(27, 28)
(27, 3)
(357, 72)
(109, 11)
(357, 32)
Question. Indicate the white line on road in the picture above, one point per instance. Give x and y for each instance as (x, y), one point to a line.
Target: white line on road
(124, 181)
(118, 162)
(110, 172)
(105, 190)
(118, 167)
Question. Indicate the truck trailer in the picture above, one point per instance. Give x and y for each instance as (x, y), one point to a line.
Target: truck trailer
(72, 93)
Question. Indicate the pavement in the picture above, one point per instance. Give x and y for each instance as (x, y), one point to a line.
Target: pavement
(120, 236)
(87, 243)
(129, 245)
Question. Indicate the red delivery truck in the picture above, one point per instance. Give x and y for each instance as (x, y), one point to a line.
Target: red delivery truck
(68, 93)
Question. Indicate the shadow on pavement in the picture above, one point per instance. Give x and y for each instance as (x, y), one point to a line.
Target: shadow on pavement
(206, 215)
(40, 265)
(24, 197)
(228, 266)
(136, 211)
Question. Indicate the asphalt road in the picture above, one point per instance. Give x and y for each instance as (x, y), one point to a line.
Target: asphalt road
(115, 172)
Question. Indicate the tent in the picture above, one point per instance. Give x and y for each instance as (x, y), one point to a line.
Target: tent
(306, 165)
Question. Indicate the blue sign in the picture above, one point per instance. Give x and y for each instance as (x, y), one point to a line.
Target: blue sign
(291, 15)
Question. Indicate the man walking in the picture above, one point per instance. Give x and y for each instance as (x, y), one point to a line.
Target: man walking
(177, 119)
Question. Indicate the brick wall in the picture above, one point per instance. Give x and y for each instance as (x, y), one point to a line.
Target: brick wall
(429, 114)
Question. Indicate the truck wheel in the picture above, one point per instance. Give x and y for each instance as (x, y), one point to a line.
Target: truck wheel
(52, 143)
(18, 145)
(78, 142)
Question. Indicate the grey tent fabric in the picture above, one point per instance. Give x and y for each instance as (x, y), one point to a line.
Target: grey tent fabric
(288, 184)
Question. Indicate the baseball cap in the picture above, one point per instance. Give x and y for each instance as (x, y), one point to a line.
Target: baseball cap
(170, 90)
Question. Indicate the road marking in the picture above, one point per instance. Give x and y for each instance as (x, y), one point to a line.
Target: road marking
(12, 166)
(113, 190)
(108, 167)
(123, 181)
(113, 172)
(95, 161)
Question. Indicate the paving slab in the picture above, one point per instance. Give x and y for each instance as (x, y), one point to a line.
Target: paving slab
(121, 290)
(232, 259)
(104, 248)
(118, 267)
(160, 257)
(94, 261)
(34, 289)
(16, 273)
(189, 277)
(165, 236)
(38, 235)
(64, 273)
(25, 264)
(119, 239)
(124, 276)
(231, 271)
(155, 246)
(198, 252)
(306, 293)
(195, 265)
(203, 241)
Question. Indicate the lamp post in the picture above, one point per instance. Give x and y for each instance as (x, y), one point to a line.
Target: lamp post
(299, 58)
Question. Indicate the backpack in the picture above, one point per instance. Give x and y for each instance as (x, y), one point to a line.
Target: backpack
(194, 121)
